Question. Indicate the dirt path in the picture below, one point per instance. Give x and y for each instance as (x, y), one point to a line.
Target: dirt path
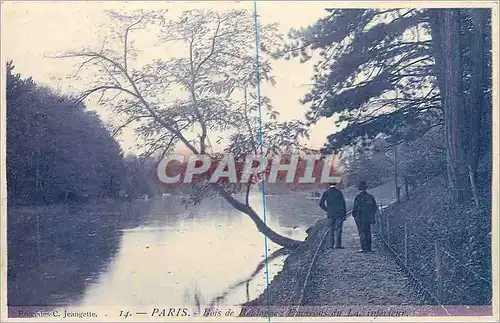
(344, 276)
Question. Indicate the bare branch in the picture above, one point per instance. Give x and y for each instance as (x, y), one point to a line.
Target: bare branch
(129, 121)
(125, 40)
(82, 65)
(87, 93)
(153, 147)
(219, 22)
(252, 138)
(93, 54)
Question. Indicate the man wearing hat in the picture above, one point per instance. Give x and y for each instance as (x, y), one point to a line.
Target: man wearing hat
(364, 211)
(333, 203)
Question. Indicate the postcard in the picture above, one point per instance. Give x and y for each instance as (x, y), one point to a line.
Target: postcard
(249, 161)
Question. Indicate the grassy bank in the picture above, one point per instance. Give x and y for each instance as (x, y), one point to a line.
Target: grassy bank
(462, 233)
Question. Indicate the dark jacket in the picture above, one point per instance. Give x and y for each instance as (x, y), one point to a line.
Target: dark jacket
(365, 208)
(335, 203)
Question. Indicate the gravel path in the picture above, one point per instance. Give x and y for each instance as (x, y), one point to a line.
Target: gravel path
(344, 276)
(341, 276)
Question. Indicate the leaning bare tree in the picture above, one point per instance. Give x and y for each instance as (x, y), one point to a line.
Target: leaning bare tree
(205, 89)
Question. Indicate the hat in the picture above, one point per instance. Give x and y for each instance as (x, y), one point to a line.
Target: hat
(363, 185)
(339, 181)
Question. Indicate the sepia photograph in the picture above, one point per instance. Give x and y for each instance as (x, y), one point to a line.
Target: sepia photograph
(249, 160)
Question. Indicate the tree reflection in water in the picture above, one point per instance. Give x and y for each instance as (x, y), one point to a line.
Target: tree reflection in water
(273, 256)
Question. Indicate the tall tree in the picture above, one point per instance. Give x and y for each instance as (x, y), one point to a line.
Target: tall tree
(461, 54)
(363, 163)
(400, 73)
(374, 73)
(56, 150)
(478, 93)
(445, 26)
(215, 83)
(139, 176)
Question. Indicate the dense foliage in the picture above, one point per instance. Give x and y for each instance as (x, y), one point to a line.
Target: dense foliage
(414, 85)
(56, 150)
(386, 74)
(374, 73)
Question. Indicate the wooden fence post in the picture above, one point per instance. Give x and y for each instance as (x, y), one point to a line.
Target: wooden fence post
(406, 245)
(388, 219)
(379, 219)
(381, 224)
(406, 188)
(439, 277)
(38, 239)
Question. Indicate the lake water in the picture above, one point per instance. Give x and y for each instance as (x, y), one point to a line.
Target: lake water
(150, 252)
(194, 256)
(158, 253)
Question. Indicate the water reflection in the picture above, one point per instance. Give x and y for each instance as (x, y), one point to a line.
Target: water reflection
(270, 260)
(54, 252)
(149, 253)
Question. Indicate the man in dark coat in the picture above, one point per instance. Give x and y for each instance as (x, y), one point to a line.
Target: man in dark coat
(364, 211)
(333, 203)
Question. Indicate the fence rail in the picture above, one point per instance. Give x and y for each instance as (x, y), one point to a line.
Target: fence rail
(428, 263)
(401, 249)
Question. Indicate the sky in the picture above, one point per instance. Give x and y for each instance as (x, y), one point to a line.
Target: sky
(33, 31)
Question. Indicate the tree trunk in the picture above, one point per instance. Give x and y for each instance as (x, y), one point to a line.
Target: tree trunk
(476, 98)
(261, 226)
(473, 185)
(407, 194)
(445, 29)
(398, 191)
